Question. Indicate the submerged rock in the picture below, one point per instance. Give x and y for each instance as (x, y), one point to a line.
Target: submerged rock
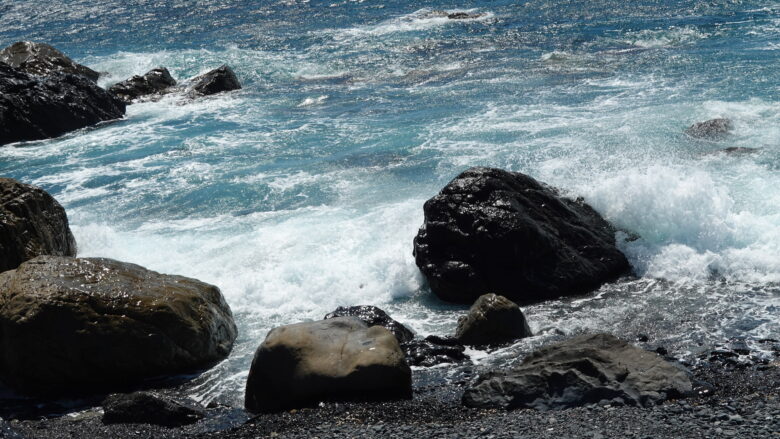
(76, 325)
(216, 81)
(585, 369)
(492, 319)
(434, 350)
(32, 223)
(336, 359)
(155, 82)
(373, 316)
(148, 408)
(34, 108)
(712, 129)
(42, 60)
(456, 15)
(491, 230)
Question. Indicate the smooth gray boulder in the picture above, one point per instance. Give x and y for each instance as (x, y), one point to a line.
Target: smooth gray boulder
(41, 59)
(336, 359)
(492, 319)
(585, 369)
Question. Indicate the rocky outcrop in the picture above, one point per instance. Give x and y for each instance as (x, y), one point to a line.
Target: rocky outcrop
(42, 60)
(32, 223)
(155, 82)
(336, 359)
(73, 325)
(149, 408)
(34, 108)
(434, 350)
(582, 370)
(713, 129)
(456, 15)
(492, 319)
(216, 81)
(491, 230)
(373, 316)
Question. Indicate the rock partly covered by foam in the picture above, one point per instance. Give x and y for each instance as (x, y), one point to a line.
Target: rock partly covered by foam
(373, 316)
(712, 129)
(215, 81)
(491, 230)
(32, 223)
(42, 60)
(73, 325)
(434, 350)
(492, 319)
(582, 370)
(157, 81)
(149, 408)
(34, 108)
(340, 358)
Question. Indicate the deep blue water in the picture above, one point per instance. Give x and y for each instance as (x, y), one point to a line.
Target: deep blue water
(303, 191)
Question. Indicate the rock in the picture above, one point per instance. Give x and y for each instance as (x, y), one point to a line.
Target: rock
(33, 108)
(492, 319)
(42, 60)
(336, 359)
(712, 129)
(156, 81)
(213, 82)
(148, 408)
(78, 325)
(373, 316)
(32, 223)
(738, 150)
(491, 230)
(433, 350)
(585, 369)
(463, 16)
(7, 432)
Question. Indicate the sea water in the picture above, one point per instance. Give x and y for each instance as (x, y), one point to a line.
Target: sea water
(303, 191)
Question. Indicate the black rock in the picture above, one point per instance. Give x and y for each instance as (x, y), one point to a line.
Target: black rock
(34, 108)
(43, 60)
(491, 230)
(216, 81)
(155, 81)
(373, 316)
(462, 16)
(148, 408)
(32, 223)
(492, 319)
(433, 350)
(712, 129)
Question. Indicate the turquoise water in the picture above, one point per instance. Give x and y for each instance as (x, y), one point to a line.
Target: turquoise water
(302, 191)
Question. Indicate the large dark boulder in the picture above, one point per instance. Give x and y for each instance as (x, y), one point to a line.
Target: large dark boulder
(373, 316)
(149, 408)
(34, 108)
(215, 81)
(491, 230)
(155, 82)
(585, 369)
(336, 359)
(492, 319)
(434, 350)
(32, 223)
(42, 60)
(713, 129)
(73, 325)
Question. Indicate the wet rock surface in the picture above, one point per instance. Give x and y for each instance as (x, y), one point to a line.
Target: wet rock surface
(336, 359)
(434, 350)
(34, 108)
(713, 129)
(492, 319)
(154, 82)
(78, 325)
(491, 230)
(374, 316)
(215, 81)
(587, 369)
(32, 223)
(149, 408)
(42, 60)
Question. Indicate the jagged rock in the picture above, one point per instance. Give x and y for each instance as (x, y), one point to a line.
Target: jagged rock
(149, 408)
(492, 319)
(34, 108)
(32, 223)
(585, 369)
(216, 81)
(155, 82)
(76, 325)
(712, 129)
(336, 359)
(373, 316)
(491, 230)
(433, 350)
(42, 60)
